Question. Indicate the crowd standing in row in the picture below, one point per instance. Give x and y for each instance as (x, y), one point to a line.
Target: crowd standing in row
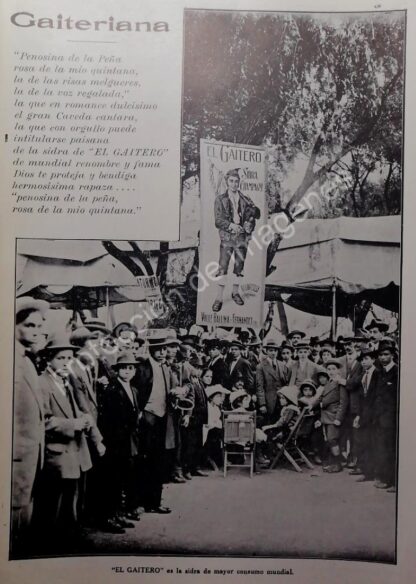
(102, 419)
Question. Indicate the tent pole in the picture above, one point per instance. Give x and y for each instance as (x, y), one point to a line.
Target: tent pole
(107, 306)
(334, 311)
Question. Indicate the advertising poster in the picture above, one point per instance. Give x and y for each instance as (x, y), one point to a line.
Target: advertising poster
(232, 253)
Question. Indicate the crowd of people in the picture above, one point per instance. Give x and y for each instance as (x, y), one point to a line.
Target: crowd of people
(104, 418)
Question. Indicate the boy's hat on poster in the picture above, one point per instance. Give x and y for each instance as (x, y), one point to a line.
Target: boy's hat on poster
(232, 172)
(290, 392)
(211, 390)
(322, 372)
(33, 304)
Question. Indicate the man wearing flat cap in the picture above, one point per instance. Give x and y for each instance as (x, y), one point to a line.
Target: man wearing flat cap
(29, 417)
(235, 219)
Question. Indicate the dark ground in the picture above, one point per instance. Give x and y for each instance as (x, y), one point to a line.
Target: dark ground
(277, 513)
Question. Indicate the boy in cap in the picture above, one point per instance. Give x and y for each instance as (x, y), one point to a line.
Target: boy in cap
(119, 421)
(334, 404)
(235, 219)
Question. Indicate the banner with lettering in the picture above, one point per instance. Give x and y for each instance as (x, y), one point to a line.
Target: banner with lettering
(232, 252)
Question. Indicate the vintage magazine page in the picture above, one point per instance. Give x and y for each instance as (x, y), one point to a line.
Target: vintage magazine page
(207, 291)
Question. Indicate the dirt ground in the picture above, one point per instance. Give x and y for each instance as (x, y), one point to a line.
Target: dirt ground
(278, 513)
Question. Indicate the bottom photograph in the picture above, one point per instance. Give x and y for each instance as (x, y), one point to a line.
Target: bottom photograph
(137, 431)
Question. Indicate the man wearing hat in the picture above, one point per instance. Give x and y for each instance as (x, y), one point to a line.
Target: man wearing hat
(235, 219)
(385, 418)
(29, 418)
(363, 422)
(67, 455)
(271, 375)
(216, 363)
(295, 337)
(155, 382)
(376, 329)
(239, 368)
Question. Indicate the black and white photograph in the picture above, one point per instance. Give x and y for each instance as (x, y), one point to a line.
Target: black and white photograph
(234, 393)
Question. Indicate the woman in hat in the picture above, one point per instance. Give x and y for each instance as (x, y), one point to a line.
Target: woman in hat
(67, 456)
(119, 420)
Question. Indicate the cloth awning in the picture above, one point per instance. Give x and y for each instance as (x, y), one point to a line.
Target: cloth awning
(362, 256)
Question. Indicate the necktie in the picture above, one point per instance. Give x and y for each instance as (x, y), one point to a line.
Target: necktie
(365, 382)
(70, 397)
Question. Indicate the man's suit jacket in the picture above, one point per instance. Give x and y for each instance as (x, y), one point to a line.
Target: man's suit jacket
(241, 370)
(269, 380)
(386, 398)
(149, 429)
(119, 421)
(353, 385)
(220, 372)
(311, 370)
(66, 449)
(366, 408)
(223, 211)
(28, 428)
(84, 389)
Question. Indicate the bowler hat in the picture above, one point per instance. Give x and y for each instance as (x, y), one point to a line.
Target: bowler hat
(271, 344)
(125, 358)
(80, 335)
(386, 346)
(60, 342)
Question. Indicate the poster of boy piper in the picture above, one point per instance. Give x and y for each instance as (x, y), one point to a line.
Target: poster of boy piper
(233, 211)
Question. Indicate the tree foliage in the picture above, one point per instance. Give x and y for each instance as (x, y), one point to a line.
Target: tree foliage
(323, 89)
